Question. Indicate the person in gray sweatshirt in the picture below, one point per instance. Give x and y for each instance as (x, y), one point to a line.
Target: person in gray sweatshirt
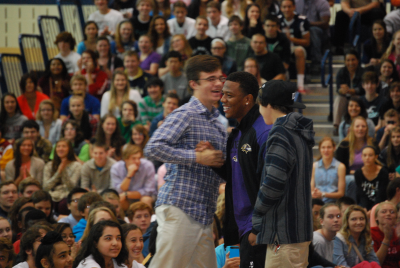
(282, 216)
(11, 116)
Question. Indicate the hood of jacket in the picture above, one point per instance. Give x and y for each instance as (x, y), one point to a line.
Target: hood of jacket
(296, 122)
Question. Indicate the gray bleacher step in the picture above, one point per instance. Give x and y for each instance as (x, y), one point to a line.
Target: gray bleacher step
(315, 99)
(316, 109)
(319, 119)
(323, 130)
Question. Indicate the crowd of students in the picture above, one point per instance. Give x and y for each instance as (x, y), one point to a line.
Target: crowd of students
(72, 163)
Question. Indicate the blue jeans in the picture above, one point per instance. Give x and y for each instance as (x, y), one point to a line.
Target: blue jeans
(351, 187)
(318, 38)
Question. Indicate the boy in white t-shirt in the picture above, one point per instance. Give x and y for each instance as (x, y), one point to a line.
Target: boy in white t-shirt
(66, 44)
(181, 24)
(106, 18)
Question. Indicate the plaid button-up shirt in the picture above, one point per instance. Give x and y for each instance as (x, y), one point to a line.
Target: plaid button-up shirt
(188, 185)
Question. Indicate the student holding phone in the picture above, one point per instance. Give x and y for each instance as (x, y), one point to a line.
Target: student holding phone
(227, 257)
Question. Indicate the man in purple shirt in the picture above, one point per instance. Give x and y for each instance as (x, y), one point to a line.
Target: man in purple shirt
(133, 177)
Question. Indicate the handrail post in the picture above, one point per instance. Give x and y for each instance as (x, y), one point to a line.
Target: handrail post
(329, 80)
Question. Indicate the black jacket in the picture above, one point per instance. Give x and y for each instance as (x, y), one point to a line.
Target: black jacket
(254, 132)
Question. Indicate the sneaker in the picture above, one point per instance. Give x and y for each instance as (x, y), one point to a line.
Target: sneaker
(302, 91)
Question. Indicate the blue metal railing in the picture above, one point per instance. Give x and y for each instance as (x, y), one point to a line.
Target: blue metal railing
(328, 80)
(11, 71)
(71, 17)
(33, 52)
(50, 27)
(355, 31)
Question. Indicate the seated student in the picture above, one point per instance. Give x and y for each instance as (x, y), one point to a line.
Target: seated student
(160, 35)
(384, 235)
(277, 42)
(372, 100)
(6, 152)
(98, 256)
(175, 80)
(47, 119)
(97, 214)
(134, 244)
(128, 118)
(12, 117)
(252, 21)
(119, 92)
(8, 195)
(394, 100)
(180, 44)
(393, 51)
(53, 252)
(86, 122)
(318, 15)
(141, 22)
(108, 62)
(328, 177)
(31, 98)
(201, 42)
(390, 155)
(355, 108)
(126, 7)
(251, 66)
(95, 173)
(134, 176)
(30, 241)
(72, 132)
(331, 222)
(170, 103)
(65, 230)
(65, 43)
(149, 59)
(91, 31)
(296, 28)
(344, 202)
(73, 198)
(125, 38)
(111, 196)
(6, 252)
(371, 180)
(28, 186)
(106, 18)
(181, 24)
(376, 45)
(391, 120)
(42, 201)
(348, 82)
(84, 203)
(271, 65)
(55, 83)
(316, 205)
(109, 134)
(163, 8)
(217, 24)
(218, 49)
(97, 80)
(140, 136)
(136, 76)
(353, 235)
(24, 163)
(140, 213)
(387, 76)
(238, 45)
(62, 174)
(78, 86)
(151, 105)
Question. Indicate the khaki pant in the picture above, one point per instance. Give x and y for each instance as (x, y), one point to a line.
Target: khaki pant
(288, 256)
(182, 242)
(339, 109)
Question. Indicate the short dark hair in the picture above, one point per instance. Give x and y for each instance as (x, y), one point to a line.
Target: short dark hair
(22, 83)
(247, 82)
(272, 18)
(293, 2)
(27, 240)
(46, 248)
(214, 4)
(352, 52)
(30, 124)
(5, 183)
(370, 76)
(346, 200)
(392, 187)
(179, 4)
(107, 191)
(174, 54)
(316, 201)
(154, 81)
(40, 196)
(75, 191)
(28, 182)
(282, 109)
(134, 106)
(88, 199)
(172, 96)
(201, 63)
(235, 18)
(34, 215)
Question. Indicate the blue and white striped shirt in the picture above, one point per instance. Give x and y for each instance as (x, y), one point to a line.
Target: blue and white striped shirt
(188, 185)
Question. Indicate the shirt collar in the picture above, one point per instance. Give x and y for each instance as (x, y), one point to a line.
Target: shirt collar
(201, 109)
(321, 164)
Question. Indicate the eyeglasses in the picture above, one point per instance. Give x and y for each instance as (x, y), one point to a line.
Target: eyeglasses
(68, 236)
(213, 79)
